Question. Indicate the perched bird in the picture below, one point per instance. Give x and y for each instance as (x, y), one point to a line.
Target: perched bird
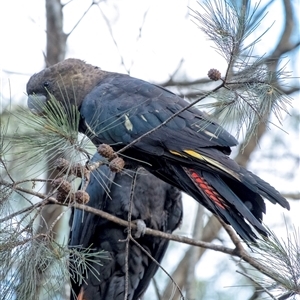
(155, 203)
(190, 151)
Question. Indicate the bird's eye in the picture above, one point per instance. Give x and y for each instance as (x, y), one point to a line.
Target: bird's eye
(46, 84)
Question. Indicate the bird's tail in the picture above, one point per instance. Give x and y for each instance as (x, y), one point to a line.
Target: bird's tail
(237, 202)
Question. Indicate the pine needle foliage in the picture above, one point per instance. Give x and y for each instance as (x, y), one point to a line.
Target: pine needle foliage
(282, 259)
(28, 263)
(47, 136)
(28, 258)
(79, 266)
(250, 91)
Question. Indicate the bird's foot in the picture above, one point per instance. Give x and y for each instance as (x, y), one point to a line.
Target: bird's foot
(141, 228)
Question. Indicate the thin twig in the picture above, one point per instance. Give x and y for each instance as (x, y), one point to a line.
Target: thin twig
(21, 211)
(83, 15)
(34, 180)
(133, 183)
(55, 221)
(160, 266)
(5, 168)
(156, 289)
(139, 37)
(253, 280)
(234, 238)
(114, 40)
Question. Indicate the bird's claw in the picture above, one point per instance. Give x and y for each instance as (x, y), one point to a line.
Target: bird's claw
(141, 228)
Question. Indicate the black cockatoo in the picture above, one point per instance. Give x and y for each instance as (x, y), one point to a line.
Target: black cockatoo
(190, 151)
(155, 203)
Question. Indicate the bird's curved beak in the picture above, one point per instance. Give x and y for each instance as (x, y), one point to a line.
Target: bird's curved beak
(36, 103)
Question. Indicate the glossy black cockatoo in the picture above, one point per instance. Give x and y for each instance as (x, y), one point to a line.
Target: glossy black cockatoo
(155, 203)
(190, 151)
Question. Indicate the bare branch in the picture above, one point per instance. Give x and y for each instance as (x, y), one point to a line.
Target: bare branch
(292, 196)
(182, 239)
(56, 38)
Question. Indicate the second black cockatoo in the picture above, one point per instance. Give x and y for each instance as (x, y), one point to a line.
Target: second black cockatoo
(190, 151)
(155, 203)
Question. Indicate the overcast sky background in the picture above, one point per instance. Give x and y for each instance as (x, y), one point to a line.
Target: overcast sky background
(168, 34)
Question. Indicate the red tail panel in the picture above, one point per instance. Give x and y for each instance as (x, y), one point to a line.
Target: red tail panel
(81, 295)
(209, 191)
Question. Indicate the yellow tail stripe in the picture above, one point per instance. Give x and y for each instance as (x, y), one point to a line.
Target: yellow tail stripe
(194, 154)
(212, 162)
(177, 153)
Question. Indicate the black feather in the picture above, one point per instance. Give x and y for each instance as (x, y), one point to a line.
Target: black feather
(155, 202)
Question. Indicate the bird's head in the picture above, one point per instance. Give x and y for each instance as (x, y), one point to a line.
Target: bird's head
(68, 82)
